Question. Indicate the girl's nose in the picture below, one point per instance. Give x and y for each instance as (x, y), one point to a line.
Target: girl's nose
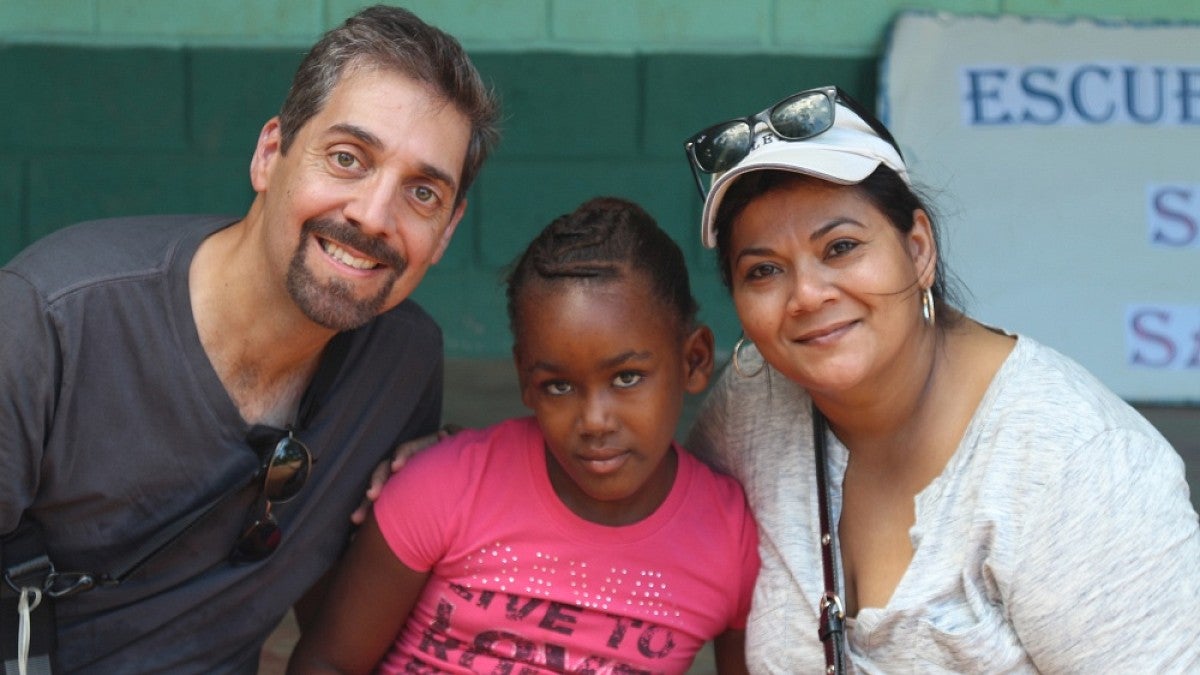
(596, 418)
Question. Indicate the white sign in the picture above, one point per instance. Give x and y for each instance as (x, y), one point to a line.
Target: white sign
(1064, 160)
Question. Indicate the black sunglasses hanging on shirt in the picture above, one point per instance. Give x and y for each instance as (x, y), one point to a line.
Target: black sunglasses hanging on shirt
(284, 471)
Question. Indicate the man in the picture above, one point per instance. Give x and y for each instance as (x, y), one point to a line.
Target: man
(190, 407)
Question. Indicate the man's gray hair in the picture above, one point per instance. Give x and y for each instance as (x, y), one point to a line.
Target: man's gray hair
(393, 38)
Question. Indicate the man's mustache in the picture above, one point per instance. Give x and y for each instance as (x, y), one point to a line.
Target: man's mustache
(351, 236)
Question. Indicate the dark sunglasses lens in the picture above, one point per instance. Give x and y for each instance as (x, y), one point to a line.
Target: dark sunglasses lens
(719, 148)
(258, 541)
(803, 116)
(287, 470)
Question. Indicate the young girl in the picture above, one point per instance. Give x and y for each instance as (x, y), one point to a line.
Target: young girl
(582, 539)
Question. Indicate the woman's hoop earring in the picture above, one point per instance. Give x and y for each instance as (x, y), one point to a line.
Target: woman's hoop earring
(737, 365)
(928, 308)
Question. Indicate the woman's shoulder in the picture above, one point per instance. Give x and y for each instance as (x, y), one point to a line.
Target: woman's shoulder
(758, 401)
(1045, 412)
(1045, 385)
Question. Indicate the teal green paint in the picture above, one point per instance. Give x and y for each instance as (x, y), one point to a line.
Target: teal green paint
(234, 92)
(110, 100)
(563, 105)
(813, 27)
(47, 16)
(821, 27)
(621, 23)
(282, 20)
(65, 189)
(520, 22)
(462, 252)
(469, 306)
(11, 202)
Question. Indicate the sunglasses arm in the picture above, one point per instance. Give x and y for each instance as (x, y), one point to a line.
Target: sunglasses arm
(691, 155)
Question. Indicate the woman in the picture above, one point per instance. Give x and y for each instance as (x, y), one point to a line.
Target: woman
(991, 506)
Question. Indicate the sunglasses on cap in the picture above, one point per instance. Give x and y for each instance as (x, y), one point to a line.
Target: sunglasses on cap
(798, 117)
(284, 472)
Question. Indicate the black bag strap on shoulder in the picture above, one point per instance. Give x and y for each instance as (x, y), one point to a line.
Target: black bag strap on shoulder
(832, 628)
(29, 587)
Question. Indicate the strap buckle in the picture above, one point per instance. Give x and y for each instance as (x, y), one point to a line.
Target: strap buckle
(831, 621)
(38, 573)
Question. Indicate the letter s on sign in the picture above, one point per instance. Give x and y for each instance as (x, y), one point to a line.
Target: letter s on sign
(1172, 214)
(1143, 334)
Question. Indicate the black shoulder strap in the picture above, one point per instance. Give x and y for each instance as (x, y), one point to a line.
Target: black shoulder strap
(833, 616)
(27, 593)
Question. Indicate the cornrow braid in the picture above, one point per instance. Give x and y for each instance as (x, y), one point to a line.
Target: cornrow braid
(605, 238)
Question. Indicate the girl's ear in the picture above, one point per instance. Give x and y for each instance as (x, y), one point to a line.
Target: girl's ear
(923, 248)
(698, 359)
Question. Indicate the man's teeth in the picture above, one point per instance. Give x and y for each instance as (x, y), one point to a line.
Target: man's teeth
(343, 256)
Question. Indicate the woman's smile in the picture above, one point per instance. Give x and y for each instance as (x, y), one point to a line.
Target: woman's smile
(826, 335)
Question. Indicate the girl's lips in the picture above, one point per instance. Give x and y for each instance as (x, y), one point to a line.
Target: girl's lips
(604, 462)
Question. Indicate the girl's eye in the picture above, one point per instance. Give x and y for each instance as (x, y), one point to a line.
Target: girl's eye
(626, 379)
(557, 388)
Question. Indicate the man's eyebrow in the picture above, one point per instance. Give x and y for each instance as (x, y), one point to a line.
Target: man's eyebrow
(436, 174)
(359, 133)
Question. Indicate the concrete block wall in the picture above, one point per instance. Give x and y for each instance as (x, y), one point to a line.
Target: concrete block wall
(814, 27)
(116, 107)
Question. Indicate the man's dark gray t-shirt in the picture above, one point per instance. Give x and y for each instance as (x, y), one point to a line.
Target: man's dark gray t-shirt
(114, 424)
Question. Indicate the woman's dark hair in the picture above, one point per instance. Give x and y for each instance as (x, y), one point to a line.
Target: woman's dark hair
(886, 191)
(393, 38)
(606, 238)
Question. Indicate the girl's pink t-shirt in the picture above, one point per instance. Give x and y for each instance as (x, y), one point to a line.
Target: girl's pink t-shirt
(520, 584)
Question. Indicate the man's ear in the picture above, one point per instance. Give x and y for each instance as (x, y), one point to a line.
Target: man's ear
(266, 151)
(444, 241)
(698, 348)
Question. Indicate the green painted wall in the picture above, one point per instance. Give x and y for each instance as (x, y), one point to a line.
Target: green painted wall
(116, 131)
(116, 107)
(821, 27)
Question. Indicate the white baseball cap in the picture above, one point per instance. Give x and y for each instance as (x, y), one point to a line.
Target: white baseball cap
(846, 154)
